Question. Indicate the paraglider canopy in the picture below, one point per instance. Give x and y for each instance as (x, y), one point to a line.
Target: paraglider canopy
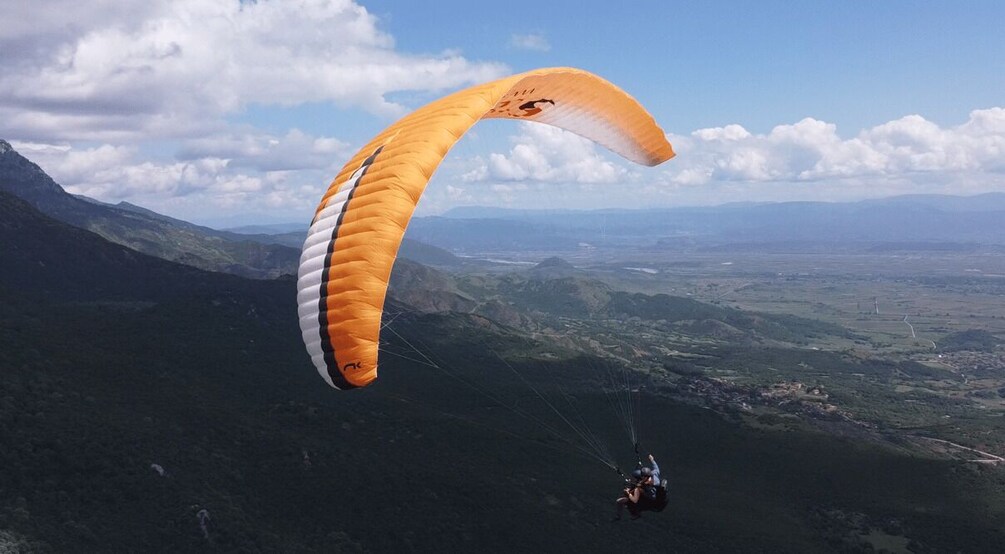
(360, 221)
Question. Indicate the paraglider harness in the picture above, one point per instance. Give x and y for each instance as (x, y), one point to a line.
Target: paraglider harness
(647, 503)
(656, 504)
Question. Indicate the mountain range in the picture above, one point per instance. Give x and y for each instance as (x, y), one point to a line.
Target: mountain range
(141, 229)
(909, 221)
(137, 391)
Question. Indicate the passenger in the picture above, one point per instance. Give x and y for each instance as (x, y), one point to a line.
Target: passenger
(643, 493)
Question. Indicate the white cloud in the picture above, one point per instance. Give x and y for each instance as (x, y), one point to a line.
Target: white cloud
(807, 160)
(533, 41)
(141, 101)
(171, 68)
(144, 101)
(729, 132)
(203, 187)
(547, 167)
(547, 154)
(149, 180)
(910, 154)
(264, 152)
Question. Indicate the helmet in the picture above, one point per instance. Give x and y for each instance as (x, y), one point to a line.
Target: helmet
(637, 474)
(646, 471)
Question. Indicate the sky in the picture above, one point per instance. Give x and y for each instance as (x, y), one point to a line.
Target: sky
(225, 112)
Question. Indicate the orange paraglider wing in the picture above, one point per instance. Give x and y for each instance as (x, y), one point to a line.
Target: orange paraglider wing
(359, 224)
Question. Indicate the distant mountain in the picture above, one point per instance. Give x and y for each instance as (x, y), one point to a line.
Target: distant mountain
(274, 229)
(481, 235)
(972, 339)
(414, 250)
(427, 254)
(553, 267)
(45, 258)
(988, 202)
(908, 219)
(991, 201)
(426, 289)
(142, 229)
(563, 296)
(893, 220)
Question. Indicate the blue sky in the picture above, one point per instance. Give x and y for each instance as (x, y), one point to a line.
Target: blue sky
(707, 64)
(218, 111)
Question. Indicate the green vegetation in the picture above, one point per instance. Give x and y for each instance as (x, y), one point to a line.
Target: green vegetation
(780, 430)
(217, 391)
(977, 340)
